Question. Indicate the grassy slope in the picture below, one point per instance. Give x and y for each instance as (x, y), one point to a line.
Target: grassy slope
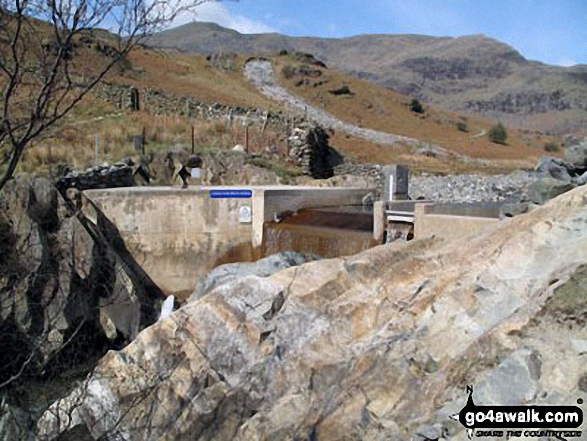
(183, 74)
(448, 72)
(385, 110)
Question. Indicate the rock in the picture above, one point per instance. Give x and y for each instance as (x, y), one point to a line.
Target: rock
(222, 60)
(581, 180)
(238, 148)
(261, 268)
(340, 348)
(104, 176)
(218, 168)
(472, 188)
(56, 281)
(554, 168)
(14, 422)
(512, 209)
(547, 189)
(576, 155)
(580, 346)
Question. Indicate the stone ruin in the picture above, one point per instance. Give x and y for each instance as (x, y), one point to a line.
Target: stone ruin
(308, 147)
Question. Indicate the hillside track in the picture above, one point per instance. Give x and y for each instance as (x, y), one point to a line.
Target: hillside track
(260, 73)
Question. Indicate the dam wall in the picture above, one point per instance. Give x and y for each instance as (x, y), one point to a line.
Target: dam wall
(179, 235)
(453, 221)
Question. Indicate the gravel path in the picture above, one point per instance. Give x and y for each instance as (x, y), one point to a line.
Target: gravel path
(260, 73)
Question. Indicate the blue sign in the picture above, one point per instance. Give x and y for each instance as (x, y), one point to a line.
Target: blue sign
(227, 194)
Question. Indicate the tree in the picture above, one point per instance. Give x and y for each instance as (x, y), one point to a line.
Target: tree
(416, 106)
(498, 133)
(42, 71)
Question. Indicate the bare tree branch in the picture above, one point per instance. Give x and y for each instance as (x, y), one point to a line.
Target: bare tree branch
(39, 67)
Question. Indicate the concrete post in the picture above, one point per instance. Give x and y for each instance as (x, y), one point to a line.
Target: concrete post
(396, 182)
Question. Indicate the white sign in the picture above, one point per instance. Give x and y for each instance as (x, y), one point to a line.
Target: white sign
(195, 172)
(245, 215)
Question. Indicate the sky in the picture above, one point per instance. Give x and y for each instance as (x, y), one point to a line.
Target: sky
(551, 31)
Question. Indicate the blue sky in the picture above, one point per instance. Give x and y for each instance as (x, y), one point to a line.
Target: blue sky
(551, 31)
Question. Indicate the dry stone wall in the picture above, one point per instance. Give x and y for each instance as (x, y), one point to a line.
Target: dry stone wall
(158, 102)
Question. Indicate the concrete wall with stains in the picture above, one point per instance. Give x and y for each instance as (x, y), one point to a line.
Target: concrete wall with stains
(178, 235)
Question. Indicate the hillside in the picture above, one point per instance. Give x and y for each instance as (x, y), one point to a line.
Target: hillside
(168, 79)
(170, 75)
(472, 74)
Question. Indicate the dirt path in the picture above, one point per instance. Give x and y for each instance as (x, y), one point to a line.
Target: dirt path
(260, 73)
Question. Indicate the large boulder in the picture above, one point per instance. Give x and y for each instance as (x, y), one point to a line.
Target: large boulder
(261, 268)
(548, 188)
(554, 168)
(375, 346)
(576, 155)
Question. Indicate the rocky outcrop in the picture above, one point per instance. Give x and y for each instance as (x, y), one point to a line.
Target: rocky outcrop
(558, 175)
(218, 168)
(61, 286)
(120, 174)
(548, 188)
(375, 346)
(68, 293)
(530, 102)
(222, 60)
(576, 155)
(439, 69)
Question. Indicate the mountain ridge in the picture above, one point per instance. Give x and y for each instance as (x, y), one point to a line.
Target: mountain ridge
(472, 74)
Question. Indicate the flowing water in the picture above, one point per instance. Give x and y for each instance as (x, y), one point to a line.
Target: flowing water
(328, 232)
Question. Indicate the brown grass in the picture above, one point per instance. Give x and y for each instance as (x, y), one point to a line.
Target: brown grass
(74, 142)
(189, 75)
(381, 109)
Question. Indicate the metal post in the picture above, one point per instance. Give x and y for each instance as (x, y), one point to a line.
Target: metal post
(193, 140)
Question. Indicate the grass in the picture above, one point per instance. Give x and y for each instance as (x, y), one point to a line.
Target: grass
(287, 172)
(73, 142)
(385, 110)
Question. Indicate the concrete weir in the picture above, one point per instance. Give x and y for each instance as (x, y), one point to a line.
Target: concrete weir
(178, 235)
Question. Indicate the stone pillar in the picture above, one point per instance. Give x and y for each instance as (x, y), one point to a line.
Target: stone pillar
(396, 182)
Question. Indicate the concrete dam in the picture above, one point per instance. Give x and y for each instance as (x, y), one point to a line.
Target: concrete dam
(178, 235)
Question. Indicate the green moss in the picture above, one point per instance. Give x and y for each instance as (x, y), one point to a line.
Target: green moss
(285, 172)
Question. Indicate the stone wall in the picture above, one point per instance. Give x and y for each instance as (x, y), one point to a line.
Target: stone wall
(158, 102)
(373, 173)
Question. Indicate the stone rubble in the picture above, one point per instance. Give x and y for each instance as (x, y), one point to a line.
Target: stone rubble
(472, 187)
